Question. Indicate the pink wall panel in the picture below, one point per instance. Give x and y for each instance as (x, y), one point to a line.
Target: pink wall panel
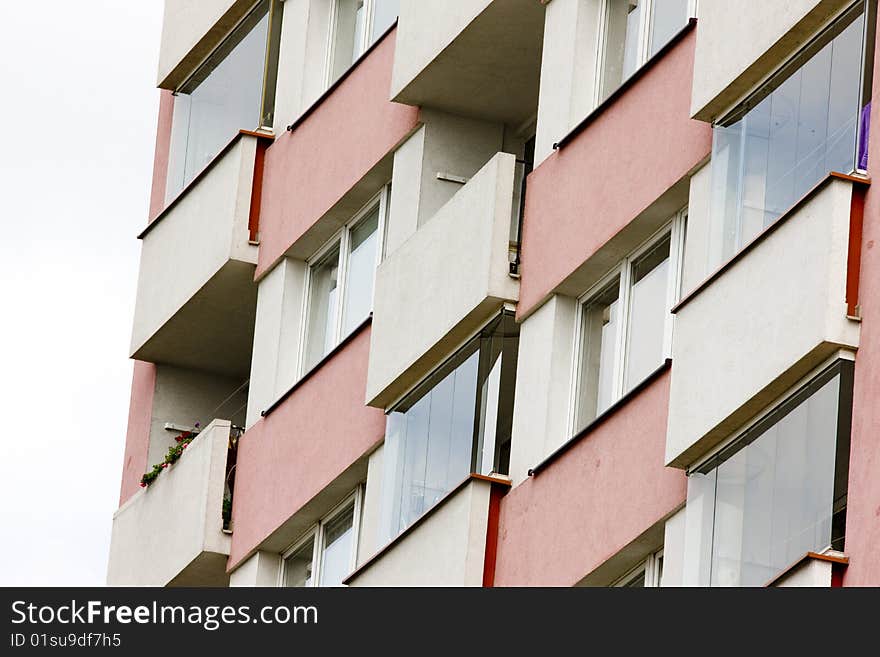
(137, 438)
(289, 456)
(596, 498)
(585, 193)
(863, 502)
(160, 159)
(308, 170)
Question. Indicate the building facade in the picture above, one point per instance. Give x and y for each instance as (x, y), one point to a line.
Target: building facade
(508, 292)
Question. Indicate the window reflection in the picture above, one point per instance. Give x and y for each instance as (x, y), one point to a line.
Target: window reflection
(457, 422)
(806, 127)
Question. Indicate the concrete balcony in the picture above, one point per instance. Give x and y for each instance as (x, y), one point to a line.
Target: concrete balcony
(444, 282)
(476, 58)
(451, 545)
(780, 308)
(196, 298)
(172, 532)
(814, 570)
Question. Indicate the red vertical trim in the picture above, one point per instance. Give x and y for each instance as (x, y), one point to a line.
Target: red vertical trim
(162, 153)
(257, 191)
(495, 495)
(854, 255)
(837, 570)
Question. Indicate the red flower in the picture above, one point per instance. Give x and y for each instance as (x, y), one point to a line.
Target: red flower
(143, 484)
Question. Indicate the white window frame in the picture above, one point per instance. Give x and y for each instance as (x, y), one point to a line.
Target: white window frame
(643, 47)
(365, 42)
(675, 228)
(652, 569)
(317, 534)
(342, 238)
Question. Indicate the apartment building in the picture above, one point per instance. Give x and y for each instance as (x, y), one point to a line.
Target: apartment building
(508, 292)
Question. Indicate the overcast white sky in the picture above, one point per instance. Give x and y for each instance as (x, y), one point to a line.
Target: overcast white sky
(78, 108)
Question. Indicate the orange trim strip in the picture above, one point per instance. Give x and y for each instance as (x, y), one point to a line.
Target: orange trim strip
(257, 191)
(854, 255)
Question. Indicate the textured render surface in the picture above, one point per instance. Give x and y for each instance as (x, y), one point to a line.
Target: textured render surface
(262, 569)
(540, 413)
(304, 44)
(200, 246)
(863, 501)
(470, 57)
(442, 283)
(695, 267)
(293, 454)
(568, 70)
(190, 30)
(740, 42)
(172, 531)
(185, 397)
(310, 170)
(556, 528)
(424, 30)
(137, 437)
(368, 540)
(277, 333)
(768, 320)
(160, 159)
(583, 195)
(809, 573)
(447, 549)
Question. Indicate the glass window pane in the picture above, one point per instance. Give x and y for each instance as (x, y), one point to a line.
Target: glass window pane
(384, 14)
(324, 286)
(667, 18)
(298, 566)
(360, 273)
(338, 546)
(598, 336)
(803, 129)
(637, 582)
(648, 311)
(430, 435)
(224, 96)
(774, 497)
(620, 58)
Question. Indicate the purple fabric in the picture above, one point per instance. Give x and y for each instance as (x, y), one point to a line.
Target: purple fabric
(864, 130)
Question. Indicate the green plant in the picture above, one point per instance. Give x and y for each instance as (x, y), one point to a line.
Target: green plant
(227, 511)
(171, 457)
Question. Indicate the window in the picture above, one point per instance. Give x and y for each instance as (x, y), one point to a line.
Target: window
(458, 421)
(778, 491)
(647, 574)
(625, 323)
(233, 89)
(355, 25)
(328, 551)
(801, 125)
(633, 32)
(340, 282)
